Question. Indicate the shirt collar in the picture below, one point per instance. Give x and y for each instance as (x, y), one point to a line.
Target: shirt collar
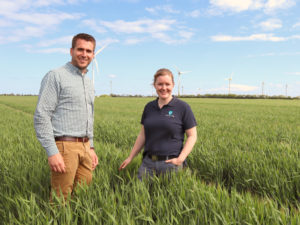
(171, 103)
(74, 69)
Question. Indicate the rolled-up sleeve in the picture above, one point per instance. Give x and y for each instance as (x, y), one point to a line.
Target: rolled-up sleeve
(47, 102)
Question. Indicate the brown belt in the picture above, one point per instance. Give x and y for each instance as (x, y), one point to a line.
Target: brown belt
(161, 157)
(73, 139)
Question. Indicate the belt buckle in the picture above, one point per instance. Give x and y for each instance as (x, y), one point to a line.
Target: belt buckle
(154, 157)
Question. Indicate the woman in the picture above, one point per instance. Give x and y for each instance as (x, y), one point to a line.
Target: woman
(164, 122)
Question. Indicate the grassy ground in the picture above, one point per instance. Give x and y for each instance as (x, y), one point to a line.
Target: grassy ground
(244, 169)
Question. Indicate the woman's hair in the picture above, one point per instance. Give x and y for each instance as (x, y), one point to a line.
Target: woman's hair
(163, 72)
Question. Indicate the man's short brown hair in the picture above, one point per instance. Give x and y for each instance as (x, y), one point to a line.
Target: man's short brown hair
(85, 37)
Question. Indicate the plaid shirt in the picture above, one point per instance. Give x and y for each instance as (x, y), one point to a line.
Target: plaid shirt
(65, 107)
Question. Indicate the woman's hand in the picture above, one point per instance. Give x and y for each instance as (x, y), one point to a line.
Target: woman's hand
(125, 163)
(175, 161)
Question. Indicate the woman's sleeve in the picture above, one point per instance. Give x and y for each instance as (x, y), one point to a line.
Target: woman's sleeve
(189, 119)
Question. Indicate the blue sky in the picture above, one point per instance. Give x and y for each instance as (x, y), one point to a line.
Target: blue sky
(254, 41)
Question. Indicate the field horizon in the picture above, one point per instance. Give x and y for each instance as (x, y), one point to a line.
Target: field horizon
(244, 168)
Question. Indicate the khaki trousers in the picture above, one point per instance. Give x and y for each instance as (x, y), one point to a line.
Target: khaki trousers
(78, 164)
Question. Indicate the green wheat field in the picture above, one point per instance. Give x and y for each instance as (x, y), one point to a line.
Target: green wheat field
(244, 168)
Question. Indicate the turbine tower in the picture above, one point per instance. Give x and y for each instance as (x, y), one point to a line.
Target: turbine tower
(262, 88)
(152, 86)
(112, 76)
(179, 73)
(229, 82)
(111, 87)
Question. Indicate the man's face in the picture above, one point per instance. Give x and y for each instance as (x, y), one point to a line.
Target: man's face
(82, 54)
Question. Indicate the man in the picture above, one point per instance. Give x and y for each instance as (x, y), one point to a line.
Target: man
(64, 119)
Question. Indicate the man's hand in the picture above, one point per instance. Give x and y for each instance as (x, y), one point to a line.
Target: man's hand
(56, 163)
(94, 158)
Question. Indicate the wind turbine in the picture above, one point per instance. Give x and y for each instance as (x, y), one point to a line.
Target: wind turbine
(112, 76)
(152, 86)
(229, 80)
(95, 63)
(179, 73)
(262, 88)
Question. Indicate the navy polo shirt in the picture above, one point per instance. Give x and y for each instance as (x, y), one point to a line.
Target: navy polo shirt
(165, 127)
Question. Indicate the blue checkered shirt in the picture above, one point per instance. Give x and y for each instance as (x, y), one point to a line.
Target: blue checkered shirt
(65, 107)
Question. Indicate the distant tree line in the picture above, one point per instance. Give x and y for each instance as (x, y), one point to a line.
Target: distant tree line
(12, 94)
(192, 96)
(217, 96)
(240, 96)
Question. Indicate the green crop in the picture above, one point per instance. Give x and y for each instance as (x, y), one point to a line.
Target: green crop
(244, 168)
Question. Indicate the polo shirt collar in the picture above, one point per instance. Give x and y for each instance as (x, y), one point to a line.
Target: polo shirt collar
(171, 103)
(74, 69)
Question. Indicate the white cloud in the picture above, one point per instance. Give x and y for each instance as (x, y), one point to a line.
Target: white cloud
(296, 25)
(133, 41)
(57, 41)
(163, 8)
(106, 41)
(293, 73)
(44, 46)
(242, 87)
(194, 14)
(8, 6)
(5, 23)
(43, 3)
(43, 18)
(28, 31)
(253, 37)
(139, 26)
(54, 50)
(94, 26)
(275, 54)
(186, 34)
(145, 29)
(271, 24)
(112, 75)
(244, 5)
(38, 49)
(271, 5)
(236, 5)
(25, 19)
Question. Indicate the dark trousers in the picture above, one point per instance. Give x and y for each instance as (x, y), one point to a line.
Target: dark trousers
(150, 168)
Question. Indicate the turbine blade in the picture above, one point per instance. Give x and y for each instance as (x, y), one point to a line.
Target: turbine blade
(101, 49)
(177, 69)
(185, 72)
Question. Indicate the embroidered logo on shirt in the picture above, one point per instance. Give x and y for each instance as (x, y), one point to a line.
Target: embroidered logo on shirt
(170, 114)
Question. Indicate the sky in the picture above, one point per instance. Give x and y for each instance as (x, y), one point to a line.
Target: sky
(255, 42)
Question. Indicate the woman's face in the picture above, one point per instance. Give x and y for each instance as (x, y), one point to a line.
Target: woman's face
(164, 86)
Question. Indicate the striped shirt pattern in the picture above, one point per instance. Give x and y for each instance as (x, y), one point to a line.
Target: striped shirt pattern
(65, 107)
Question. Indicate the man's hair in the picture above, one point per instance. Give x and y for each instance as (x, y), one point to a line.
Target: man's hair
(85, 37)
